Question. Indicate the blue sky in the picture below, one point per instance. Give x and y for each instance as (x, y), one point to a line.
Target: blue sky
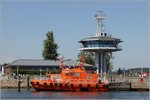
(25, 23)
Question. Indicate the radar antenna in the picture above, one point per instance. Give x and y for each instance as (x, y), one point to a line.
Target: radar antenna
(100, 17)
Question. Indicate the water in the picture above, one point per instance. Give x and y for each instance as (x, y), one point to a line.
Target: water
(32, 94)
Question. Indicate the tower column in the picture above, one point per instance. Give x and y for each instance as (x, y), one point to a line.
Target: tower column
(100, 62)
(104, 62)
(97, 61)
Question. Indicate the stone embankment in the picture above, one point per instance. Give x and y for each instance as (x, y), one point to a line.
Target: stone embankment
(118, 83)
(9, 82)
(129, 83)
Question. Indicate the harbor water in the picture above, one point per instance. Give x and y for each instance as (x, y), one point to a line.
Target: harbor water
(32, 94)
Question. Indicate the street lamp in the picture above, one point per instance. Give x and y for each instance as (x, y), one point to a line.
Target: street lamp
(141, 71)
(47, 70)
(124, 72)
(17, 72)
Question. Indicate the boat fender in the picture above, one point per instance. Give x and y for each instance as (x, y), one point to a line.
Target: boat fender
(56, 84)
(97, 86)
(66, 85)
(88, 86)
(80, 86)
(72, 85)
(51, 84)
(37, 83)
(105, 86)
(45, 83)
(99, 81)
(32, 82)
(60, 84)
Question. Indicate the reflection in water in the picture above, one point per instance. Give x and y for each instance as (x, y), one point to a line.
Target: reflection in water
(68, 95)
(32, 94)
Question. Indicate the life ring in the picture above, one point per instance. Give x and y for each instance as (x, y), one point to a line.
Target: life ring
(67, 80)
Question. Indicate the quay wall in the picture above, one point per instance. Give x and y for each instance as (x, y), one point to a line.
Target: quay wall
(9, 82)
(118, 84)
(128, 83)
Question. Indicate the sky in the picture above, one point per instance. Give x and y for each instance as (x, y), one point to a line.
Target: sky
(25, 23)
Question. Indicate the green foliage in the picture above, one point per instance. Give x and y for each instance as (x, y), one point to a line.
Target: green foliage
(88, 56)
(109, 64)
(90, 59)
(50, 47)
(5, 64)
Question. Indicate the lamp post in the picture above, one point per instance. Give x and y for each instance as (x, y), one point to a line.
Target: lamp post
(40, 69)
(141, 71)
(17, 72)
(47, 70)
(124, 72)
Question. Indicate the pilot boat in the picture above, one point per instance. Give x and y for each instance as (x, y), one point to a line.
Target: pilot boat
(70, 79)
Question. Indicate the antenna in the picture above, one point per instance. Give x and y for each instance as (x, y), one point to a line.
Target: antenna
(100, 16)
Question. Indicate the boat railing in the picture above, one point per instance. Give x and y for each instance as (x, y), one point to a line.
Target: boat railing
(41, 77)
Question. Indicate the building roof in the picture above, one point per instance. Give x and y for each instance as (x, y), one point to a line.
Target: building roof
(103, 38)
(35, 62)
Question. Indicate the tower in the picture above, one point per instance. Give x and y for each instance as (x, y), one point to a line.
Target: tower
(101, 44)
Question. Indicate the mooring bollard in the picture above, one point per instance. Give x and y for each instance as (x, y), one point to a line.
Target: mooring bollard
(19, 84)
(28, 83)
(130, 86)
(111, 78)
(114, 79)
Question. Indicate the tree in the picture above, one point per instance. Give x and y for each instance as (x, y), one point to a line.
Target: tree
(50, 47)
(88, 56)
(108, 57)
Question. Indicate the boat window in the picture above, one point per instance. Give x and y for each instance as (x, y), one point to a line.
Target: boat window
(67, 74)
(56, 76)
(89, 77)
(75, 74)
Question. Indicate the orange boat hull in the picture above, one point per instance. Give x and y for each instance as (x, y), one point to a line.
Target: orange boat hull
(66, 87)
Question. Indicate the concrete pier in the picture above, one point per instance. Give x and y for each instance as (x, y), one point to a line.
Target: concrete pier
(9, 82)
(120, 84)
(124, 86)
(128, 83)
